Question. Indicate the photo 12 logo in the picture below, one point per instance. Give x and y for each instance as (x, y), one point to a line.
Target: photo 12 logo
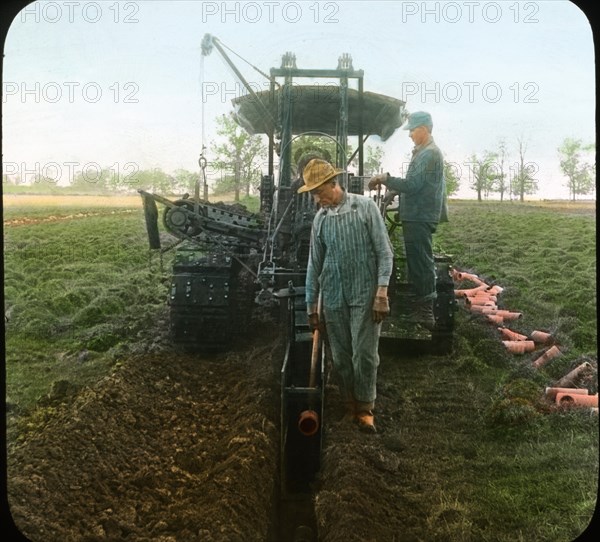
(69, 92)
(225, 91)
(470, 91)
(59, 172)
(89, 12)
(470, 12)
(271, 12)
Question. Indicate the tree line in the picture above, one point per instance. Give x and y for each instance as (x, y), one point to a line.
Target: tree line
(492, 172)
(241, 158)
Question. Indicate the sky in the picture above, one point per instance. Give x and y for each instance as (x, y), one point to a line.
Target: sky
(123, 84)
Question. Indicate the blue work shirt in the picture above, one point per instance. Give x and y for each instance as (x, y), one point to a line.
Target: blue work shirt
(350, 254)
(423, 191)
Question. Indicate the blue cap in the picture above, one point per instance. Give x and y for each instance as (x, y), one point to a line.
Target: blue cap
(420, 118)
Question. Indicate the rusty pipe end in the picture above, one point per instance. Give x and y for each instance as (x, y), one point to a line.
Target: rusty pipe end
(308, 423)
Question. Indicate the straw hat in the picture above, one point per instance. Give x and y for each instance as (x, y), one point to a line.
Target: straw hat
(316, 173)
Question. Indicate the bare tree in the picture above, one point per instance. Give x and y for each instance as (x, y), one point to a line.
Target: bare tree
(524, 181)
(500, 182)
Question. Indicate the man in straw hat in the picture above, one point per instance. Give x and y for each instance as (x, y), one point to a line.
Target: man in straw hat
(349, 265)
(422, 207)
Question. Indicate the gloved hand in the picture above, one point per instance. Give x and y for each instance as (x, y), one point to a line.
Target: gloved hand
(314, 322)
(381, 308)
(377, 180)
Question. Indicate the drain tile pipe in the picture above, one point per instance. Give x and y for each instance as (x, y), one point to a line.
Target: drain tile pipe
(519, 347)
(308, 423)
(551, 393)
(570, 378)
(551, 353)
(541, 337)
(575, 399)
(511, 335)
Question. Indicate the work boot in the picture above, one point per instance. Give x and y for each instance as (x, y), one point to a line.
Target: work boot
(423, 314)
(365, 417)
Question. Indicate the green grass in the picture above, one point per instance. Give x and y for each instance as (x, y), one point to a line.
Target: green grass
(532, 470)
(502, 465)
(544, 258)
(77, 292)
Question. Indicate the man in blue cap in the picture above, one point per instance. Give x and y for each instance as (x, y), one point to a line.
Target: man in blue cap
(422, 200)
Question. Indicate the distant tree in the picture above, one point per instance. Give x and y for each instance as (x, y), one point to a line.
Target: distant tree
(237, 157)
(501, 183)
(373, 160)
(524, 181)
(309, 144)
(155, 180)
(452, 175)
(91, 180)
(483, 173)
(580, 175)
(185, 181)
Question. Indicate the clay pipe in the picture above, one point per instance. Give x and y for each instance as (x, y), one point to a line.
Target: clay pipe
(481, 300)
(551, 353)
(576, 399)
(509, 315)
(308, 423)
(483, 309)
(469, 291)
(570, 377)
(469, 276)
(482, 295)
(495, 289)
(506, 315)
(541, 337)
(495, 319)
(552, 392)
(519, 347)
(511, 335)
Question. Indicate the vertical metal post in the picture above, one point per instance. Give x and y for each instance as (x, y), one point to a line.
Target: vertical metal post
(361, 158)
(286, 133)
(343, 126)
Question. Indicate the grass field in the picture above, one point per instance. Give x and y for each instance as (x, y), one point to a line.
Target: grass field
(81, 292)
(77, 286)
(77, 275)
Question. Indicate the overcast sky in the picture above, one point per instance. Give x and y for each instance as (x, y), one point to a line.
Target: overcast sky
(119, 83)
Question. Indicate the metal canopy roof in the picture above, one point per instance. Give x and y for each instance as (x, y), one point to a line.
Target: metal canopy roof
(317, 108)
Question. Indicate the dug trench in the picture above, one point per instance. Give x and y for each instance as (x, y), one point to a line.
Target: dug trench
(174, 447)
